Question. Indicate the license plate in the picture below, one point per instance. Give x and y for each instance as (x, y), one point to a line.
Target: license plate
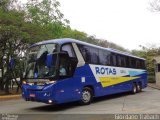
(32, 95)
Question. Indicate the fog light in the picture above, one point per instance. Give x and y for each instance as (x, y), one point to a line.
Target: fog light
(49, 101)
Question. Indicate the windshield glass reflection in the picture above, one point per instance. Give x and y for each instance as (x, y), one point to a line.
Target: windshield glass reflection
(41, 61)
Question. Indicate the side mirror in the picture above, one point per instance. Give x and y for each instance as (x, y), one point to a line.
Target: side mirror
(49, 60)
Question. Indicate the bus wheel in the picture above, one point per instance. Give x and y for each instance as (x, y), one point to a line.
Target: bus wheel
(134, 88)
(87, 96)
(139, 88)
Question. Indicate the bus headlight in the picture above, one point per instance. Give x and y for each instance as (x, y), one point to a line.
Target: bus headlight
(30, 83)
(51, 82)
(24, 82)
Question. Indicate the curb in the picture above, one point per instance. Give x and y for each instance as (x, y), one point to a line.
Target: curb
(8, 97)
(152, 86)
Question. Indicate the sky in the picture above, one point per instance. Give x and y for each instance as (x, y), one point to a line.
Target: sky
(128, 23)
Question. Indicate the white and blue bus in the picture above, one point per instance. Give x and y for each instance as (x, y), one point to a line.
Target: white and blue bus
(66, 70)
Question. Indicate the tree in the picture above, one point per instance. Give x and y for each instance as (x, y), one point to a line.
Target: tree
(10, 32)
(155, 5)
(44, 12)
(17, 32)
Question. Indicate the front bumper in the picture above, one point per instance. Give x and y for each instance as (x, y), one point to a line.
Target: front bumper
(30, 93)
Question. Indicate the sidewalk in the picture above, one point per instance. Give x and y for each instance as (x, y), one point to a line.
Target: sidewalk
(153, 85)
(9, 97)
(13, 95)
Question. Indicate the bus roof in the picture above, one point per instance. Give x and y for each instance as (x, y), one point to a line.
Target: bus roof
(70, 40)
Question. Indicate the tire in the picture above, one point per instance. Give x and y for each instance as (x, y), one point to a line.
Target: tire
(86, 96)
(134, 88)
(139, 87)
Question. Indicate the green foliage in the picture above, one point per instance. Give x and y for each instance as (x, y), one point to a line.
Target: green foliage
(69, 33)
(12, 39)
(148, 53)
(44, 12)
(151, 78)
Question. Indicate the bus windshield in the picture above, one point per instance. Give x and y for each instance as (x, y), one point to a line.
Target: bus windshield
(41, 61)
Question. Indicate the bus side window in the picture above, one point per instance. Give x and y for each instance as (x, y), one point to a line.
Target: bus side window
(130, 62)
(138, 64)
(123, 58)
(104, 57)
(133, 62)
(69, 49)
(142, 64)
(127, 62)
(113, 59)
(89, 54)
(94, 55)
(119, 61)
(67, 65)
(84, 52)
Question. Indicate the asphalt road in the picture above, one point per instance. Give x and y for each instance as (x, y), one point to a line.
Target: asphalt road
(148, 101)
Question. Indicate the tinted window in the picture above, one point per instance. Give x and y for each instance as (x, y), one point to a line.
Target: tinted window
(121, 61)
(138, 64)
(51, 48)
(113, 59)
(104, 57)
(69, 49)
(142, 64)
(127, 62)
(94, 55)
(98, 56)
(133, 62)
(82, 50)
(90, 54)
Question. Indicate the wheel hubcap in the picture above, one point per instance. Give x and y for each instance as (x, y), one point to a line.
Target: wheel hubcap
(86, 96)
(138, 87)
(134, 89)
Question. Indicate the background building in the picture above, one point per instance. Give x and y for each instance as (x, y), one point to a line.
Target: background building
(156, 62)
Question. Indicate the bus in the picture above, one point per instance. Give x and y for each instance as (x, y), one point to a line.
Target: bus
(66, 70)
